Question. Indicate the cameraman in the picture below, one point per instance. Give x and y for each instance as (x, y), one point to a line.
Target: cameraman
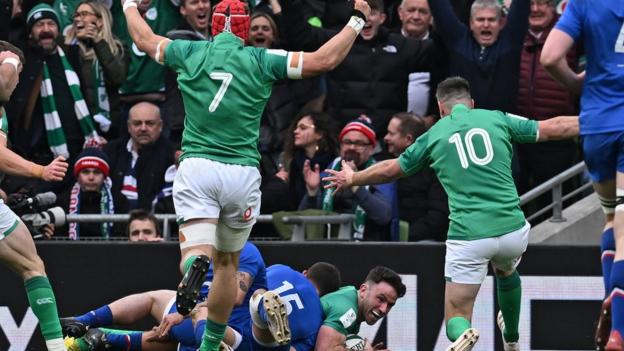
(17, 249)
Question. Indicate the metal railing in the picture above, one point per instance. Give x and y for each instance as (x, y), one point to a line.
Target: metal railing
(555, 185)
(345, 220)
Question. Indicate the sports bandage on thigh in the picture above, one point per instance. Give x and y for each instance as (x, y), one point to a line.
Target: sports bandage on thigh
(230, 239)
(198, 234)
(607, 204)
(619, 199)
(294, 68)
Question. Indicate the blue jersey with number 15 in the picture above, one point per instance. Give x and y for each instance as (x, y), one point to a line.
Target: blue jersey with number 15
(305, 313)
(599, 24)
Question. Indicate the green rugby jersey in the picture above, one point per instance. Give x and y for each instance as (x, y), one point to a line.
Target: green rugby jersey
(340, 310)
(225, 86)
(144, 74)
(471, 150)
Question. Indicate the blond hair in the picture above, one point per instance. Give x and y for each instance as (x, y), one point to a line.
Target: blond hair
(103, 13)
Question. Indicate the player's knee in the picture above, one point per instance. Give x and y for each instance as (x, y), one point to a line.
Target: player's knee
(225, 260)
(31, 267)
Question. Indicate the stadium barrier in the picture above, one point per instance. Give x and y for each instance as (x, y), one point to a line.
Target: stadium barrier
(562, 289)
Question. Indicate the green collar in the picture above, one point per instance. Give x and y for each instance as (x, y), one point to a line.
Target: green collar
(228, 37)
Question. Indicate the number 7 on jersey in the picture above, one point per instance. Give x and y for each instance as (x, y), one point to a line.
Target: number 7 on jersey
(226, 79)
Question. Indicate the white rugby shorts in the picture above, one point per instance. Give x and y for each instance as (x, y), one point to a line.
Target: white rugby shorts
(204, 188)
(467, 261)
(8, 220)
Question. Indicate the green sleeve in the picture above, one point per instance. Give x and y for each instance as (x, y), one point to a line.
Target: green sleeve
(523, 130)
(416, 156)
(178, 51)
(4, 123)
(339, 314)
(273, 63)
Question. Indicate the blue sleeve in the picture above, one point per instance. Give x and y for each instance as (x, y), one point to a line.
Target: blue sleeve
(518, 20)
(450, 28)
(376, 201)
(571, 21)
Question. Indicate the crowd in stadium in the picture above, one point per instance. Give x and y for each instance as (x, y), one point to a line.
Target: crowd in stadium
(122, 147)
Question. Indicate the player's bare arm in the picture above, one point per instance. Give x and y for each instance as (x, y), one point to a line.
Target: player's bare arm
(10, 68)
(13, 164)
(329, 338)
(379, 173)
(556, 128)
(141, 33)
(244, 283)
(554, 61)
(331, 54)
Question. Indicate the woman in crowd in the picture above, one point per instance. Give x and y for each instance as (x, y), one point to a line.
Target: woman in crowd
(102, 59)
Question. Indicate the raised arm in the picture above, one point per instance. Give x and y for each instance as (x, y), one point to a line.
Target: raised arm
(331, 54)
(10, 68)
(562, 127)
(329, 339)
(381, 172)
(554, 60)
(141, 33)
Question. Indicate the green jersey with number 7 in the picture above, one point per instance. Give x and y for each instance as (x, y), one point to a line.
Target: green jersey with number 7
(225, 87)
(471, 150)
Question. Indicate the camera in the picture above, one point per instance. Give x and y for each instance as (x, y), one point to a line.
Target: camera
(35, 212)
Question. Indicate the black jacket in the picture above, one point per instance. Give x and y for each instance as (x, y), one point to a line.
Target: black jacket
(151, 165)
(373, 77)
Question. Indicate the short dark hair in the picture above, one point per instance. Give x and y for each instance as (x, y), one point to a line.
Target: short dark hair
(384, 274)
(6, 46)
(453, 90)
(325, 276)
(376, 5)
(411, 124)
(142, 215)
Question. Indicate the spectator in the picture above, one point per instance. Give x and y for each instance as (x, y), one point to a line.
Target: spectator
(373, 206)
(47, 113)
(374, 77)
(486, 54)
(541, 97)
(66, 10)
(195, 26)
(422, 201)
(90, 195)
(311, 137)
(416, 18)
(145, 81)
(139, 161)
(103, 63)
(289, 98)
(143, 226)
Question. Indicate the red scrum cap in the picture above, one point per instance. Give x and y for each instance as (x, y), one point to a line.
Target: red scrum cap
(231, 16)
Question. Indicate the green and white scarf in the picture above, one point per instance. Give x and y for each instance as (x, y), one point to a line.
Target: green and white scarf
(54, 129)
(359, 223)
(102, 107)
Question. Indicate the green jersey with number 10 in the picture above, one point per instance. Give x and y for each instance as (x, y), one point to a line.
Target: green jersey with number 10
(225, 87)
(471, 150)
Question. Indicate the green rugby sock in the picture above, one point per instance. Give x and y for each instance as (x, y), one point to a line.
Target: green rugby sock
(456, 326)
(509, 290)
(188, 263)
(212, 336)
(43, 304)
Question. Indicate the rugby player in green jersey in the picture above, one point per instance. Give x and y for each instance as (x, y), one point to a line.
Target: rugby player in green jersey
(17, 249)
(225, 87)
(471, 150)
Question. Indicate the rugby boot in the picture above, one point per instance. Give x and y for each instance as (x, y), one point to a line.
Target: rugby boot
(466, 341)
(95, 340)
(507, 346)
(188, 290)
(277, 317)
(603, 328)
(73, 327)
(615, 342)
